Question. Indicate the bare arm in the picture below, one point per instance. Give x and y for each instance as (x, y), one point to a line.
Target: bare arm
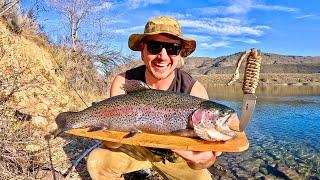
(117, 84)
(198, 90)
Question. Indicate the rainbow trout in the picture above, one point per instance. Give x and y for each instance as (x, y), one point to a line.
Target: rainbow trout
(144, 109)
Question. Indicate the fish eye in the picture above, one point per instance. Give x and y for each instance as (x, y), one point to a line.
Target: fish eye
(224, 113)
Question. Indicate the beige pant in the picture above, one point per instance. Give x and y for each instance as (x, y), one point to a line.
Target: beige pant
(109, 164)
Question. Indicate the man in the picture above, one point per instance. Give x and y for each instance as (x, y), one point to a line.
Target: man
(162, 47)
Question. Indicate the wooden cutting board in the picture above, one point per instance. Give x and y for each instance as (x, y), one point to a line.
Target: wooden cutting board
(238, 144)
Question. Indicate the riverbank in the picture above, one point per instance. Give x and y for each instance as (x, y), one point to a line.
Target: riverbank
(273, 84)
(234, 92)
(265, 79)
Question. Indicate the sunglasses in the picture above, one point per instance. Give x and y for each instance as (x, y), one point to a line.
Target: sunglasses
(155, 47)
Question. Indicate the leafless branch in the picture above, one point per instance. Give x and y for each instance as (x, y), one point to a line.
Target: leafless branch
(9, 6)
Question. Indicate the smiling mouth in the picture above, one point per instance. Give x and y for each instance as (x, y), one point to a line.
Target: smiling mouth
(160, 67)
(160, 64)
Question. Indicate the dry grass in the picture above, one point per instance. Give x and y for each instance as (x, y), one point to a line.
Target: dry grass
(82, 74)
(16, 162)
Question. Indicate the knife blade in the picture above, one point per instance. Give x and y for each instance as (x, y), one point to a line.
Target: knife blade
(248, 104)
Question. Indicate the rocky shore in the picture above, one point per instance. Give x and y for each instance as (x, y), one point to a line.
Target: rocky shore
(270, 160)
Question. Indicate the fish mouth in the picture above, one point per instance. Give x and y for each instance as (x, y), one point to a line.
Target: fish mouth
(57, 133)
(219, 131)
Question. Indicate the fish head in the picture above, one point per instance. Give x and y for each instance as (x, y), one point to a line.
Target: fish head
(212, 123)
(64, 122)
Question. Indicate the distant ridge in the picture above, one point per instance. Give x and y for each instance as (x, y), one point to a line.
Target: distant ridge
(271, 63)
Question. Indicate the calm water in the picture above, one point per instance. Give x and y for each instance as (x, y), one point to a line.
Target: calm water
(284, 137)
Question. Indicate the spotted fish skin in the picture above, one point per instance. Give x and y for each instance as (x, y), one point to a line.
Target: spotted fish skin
(146, 110)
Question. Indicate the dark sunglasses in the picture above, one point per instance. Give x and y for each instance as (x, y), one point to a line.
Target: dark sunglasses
(155, 47)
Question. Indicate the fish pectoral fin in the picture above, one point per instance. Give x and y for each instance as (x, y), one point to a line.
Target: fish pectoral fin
(132, 133)
(184, 133)
(95, 128)
(134, 86)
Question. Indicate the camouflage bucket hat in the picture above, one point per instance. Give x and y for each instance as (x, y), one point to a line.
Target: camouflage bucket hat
(165, 25)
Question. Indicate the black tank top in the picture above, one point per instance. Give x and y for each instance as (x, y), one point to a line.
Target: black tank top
(181, 83)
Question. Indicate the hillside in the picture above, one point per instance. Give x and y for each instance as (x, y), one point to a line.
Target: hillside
(271, 63)
(275, 69)
(32, 73)
(33, 91)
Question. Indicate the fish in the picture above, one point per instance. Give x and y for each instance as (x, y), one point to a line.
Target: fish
(143, 109)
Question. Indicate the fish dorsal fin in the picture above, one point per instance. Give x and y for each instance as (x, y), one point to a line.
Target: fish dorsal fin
(135, 86)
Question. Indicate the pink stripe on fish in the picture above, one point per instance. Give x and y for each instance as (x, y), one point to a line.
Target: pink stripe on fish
(129, 109)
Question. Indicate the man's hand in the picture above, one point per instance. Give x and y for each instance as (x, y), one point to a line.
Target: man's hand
(198, 160)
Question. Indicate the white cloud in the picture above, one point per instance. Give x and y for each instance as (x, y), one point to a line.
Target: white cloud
(237, 7)
(307, 16)
(199, 38)
(274, 8)
(262, 27)
(135, 4)
(222, 26)
(249, 41)
(244, 40)
(221, 10)
(174, 14)
(227, 20)
(214, 45)
(126, 31)
(110, 21)
(103, 6)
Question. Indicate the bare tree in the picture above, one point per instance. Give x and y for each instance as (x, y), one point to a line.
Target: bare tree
(75, 11)
(6, 5)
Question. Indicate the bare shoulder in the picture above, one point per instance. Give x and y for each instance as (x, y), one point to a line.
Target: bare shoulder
(199, 90)
(117, 84)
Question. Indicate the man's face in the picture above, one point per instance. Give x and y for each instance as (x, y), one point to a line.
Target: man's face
(161, 64)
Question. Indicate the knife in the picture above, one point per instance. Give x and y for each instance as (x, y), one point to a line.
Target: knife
(250, 83)
(248, 104)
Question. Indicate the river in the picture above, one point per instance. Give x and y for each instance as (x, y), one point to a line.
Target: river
(284, 135)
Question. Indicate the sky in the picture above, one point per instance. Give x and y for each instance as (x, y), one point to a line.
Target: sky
(220, 27)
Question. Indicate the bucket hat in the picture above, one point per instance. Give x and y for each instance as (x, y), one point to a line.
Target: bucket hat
(159, 25)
